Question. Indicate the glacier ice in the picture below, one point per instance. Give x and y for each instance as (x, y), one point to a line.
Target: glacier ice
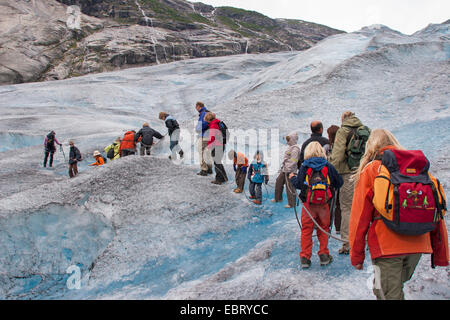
(146, 228)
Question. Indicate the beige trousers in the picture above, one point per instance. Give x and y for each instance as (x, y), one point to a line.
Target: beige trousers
(346, 199)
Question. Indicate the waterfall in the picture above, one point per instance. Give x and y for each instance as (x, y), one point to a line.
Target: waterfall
(147, 19)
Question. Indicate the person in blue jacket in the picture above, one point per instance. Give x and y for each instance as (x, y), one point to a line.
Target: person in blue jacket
(257, 175)
(314, 179)
(203, 138)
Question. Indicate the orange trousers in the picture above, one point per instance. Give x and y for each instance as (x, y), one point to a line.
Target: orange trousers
(321, 214)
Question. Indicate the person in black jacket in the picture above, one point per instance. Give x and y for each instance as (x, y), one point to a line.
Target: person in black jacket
(49, 147)
(74, 157)
(146, 135)
(174, 133)
(317, 130)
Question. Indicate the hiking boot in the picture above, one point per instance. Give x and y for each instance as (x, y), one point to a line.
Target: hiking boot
(288, 206)
(305, 263)
(181, 153)
(325, 259)
(202, 173)
(238, 190)
(216, 182)
(252, 197)
(209, 171)
(257, 202)
(344, 250)
(274, 201)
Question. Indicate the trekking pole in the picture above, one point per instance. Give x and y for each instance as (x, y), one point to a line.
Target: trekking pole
(332, 209)
(62, 149)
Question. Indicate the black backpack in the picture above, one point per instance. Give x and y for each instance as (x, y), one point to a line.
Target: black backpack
(50, 140)
(111, 153)
(224, 130)
(104, 159)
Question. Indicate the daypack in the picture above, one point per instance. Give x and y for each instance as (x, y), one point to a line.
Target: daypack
(356, 145)
(318, 186)
(409, 199)
(50, 140)
(224, 130)
(111, 153)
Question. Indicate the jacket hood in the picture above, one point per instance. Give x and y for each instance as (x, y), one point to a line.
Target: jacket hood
(169, 117)
(293, 138)
(353, 122)
(315, 163)
(261, 154)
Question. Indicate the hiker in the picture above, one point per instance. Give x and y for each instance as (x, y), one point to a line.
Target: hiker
(257, 175)
(344, 162)
(315, 178)
(240, 166)
(395, 254)
(99, 159)
(202, 143)
(216, 148)
(174, 133)
(74, 158)
(128, 145)
(316, 135)
(332, 130)
(289, 165)
(112, 151)
(50, 148)
(145, 137)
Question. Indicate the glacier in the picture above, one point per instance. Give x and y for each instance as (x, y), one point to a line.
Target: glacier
(148, 228)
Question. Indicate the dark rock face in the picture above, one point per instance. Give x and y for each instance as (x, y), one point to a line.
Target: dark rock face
(116, 34)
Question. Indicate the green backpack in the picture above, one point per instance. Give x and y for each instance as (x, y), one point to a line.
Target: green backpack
(356, 145)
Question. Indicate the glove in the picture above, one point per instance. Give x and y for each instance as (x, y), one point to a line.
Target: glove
(234, 167)
(244, 169)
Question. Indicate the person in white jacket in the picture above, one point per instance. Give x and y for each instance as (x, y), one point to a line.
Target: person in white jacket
(289, 165)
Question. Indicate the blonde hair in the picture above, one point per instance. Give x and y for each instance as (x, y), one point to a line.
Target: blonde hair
(314, 150)
(145, 124)
(209, 117)
(378, 139)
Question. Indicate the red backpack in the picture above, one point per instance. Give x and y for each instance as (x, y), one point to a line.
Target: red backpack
(318, 186)
(409, 199)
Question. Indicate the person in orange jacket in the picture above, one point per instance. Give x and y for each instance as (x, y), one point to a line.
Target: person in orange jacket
(394, 256)
(240, 166)
(99, 159)
(128, 145)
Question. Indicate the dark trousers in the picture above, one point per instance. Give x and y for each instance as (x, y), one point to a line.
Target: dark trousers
(127, 153)
(256, 190)
(283, 178)
(217, 155)
(240, 178)
(175, 147)
(145, 149)
(73, 169)
(46, 154)
(337, 215)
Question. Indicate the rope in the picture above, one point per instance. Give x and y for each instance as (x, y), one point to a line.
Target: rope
(310, 215)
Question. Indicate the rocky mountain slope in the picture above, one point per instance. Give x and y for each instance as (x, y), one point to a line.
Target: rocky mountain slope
(49, 40)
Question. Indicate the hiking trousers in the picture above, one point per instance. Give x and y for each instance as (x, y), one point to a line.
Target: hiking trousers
(240, 178)
(46, 155)
(73, 169)
(283, 178)
(256, 190)
(393, 273)
(345, 201)
(320, 213)
(217, 155)
(202, 148)
(145, 149)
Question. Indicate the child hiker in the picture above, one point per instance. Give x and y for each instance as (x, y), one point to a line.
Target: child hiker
(240, 165)
(314, 179)
(257, 175)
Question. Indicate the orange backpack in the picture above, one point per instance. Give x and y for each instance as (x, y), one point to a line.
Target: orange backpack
(409, 199)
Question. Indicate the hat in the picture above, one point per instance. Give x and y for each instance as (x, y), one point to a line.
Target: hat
(96, 153)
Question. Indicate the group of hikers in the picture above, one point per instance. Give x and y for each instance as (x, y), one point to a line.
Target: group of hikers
(363, 181)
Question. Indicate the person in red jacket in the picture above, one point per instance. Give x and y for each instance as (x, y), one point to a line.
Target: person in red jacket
(128, 145)
(394, 255)
(216, 148)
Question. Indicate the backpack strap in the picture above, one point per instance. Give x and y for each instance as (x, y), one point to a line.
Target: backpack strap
(308, 175)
